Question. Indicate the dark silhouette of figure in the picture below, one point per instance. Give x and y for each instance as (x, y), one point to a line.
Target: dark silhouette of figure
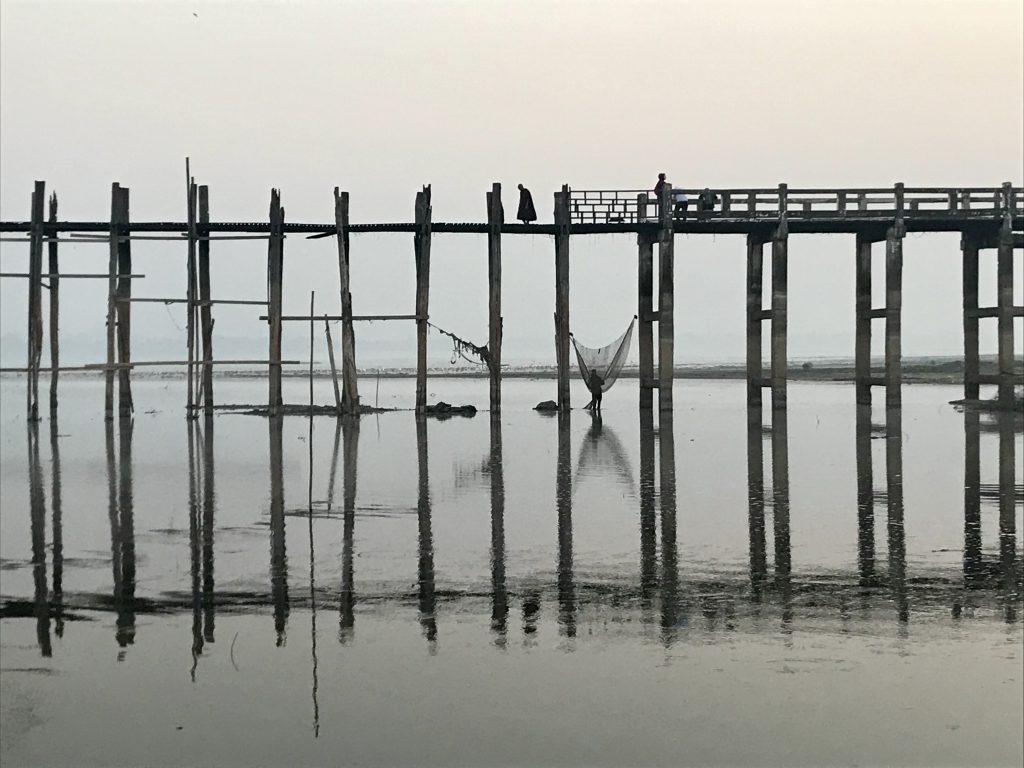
(706, 201)
(660, 185)
(680, 203)
(595, 384)
(527, 212)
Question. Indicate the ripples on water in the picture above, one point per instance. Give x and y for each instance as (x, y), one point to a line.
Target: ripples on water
(529, 589)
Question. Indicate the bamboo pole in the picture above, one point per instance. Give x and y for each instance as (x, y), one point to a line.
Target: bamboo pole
(421, 242)
(275, 269)
(349, 372)
(495, 219)
(35, 298)
(112, 270)
(54, 329)
(205, 312)
(122, 309)
(562, 295)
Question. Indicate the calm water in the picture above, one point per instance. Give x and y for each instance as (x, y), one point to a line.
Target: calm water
(841, 588)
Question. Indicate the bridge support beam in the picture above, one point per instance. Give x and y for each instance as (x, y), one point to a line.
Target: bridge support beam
(275, 275)
(780, 270)
(1005, 311)
(645, 312)
(349, 371)
(862, 355)
(495, 218)
(123, 309)
(969, 247)
(666, 301)
(35, 299)
(562, 295)
(893, 314)
(755, 315)
(421, 244)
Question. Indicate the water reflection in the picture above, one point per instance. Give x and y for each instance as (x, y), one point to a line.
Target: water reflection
(278, 552)
(499, 595)
(755, 504)
(669, 552)
(894, 511)
(865, 499)
(56, 501)
(427, 598)
(201, 505)
(37, 511)
(648, 520)
(121, 514)
(349, 428)
(563, 505)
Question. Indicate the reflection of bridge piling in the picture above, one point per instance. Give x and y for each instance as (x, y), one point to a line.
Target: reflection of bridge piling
(984, 217)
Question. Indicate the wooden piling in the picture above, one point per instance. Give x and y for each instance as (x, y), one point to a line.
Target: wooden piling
(495, 219)
(666, 300)
(54, 325)
(862, 349)
(755, 314)
(275, 270)
(562, 295)
(334, 370)
(190, 296)
(123, 309)
(205, 307)
(893, 313)
(35, 299)
(1004, 307)
(779, 361)
(969, 247)
(645, 310)
(349, 372)
(115, 233)
(421, 244)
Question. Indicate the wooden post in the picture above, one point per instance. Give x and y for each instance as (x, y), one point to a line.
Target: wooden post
(666, 301)
(54, 270)
(205, 309)
(969, 246)
(123, 308)
(275, 275)
(35, 299)
(115, 233)
(562, 295)
(349, 372)
(1004, 300)
(893, 312)
(645, 311)
(862, 354)
(495, 218)
(190, 297)
(755, 297)
(421, 243)
(780, 268)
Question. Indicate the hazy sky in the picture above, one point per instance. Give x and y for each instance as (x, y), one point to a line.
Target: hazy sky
(380, 98)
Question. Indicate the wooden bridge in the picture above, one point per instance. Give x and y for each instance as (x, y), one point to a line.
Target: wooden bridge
(986, 217)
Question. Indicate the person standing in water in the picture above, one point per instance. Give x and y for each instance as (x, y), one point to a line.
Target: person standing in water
(594, 385)
(527, 212)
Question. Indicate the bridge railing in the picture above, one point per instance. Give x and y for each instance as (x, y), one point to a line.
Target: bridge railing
(631, 206)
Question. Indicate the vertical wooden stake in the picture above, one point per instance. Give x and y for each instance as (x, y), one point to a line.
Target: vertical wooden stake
(645, 309)
(862, 348)
(1004, 308)
(562, 295)
(755, 298)
(969, 247)
(190, 296)
(115, 234)
(893, 313)
(666, 301)
(35, 299)
(275, 275)
(334, 370)
(495, 218)
(54, 270)
(123, 308)
(421, 243)
(780, 322)
(349, 372)
(205, 309)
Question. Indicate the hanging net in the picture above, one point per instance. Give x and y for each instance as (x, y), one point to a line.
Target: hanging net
(606, 361)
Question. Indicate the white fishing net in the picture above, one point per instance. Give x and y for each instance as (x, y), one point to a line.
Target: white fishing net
(606, 361)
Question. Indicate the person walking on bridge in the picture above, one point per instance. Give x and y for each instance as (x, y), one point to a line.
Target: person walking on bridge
(527, 212)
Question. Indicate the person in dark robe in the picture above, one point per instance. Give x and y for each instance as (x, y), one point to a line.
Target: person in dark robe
(527, 212)
(659, 186)
(594, 385)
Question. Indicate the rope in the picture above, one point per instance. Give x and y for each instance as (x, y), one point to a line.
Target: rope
(461, 347)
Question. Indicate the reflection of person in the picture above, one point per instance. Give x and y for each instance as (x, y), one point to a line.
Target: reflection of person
(527, 212)
(594, 385)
